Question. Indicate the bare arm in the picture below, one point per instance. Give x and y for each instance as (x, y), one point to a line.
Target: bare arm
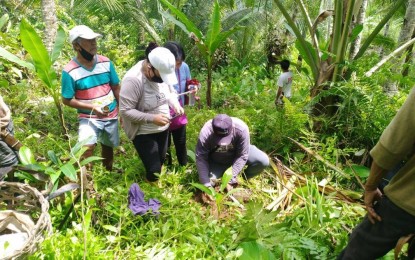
(372, 193)
(116, 91)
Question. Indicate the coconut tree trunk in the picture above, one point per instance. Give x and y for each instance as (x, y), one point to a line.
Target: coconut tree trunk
(391, 87)
(385, 33)
(354, 47)
(141, 32)
(408, 59)
(51, 23)
(209, 87)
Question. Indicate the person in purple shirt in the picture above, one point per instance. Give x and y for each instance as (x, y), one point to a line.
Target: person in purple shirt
(224, 142)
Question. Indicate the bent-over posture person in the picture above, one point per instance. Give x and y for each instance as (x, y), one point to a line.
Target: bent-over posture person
(146, 93)
(225, 142)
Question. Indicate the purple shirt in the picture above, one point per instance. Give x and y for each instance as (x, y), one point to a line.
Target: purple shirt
(233, 152)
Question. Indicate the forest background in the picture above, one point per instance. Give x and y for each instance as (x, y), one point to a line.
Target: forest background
(352, 62)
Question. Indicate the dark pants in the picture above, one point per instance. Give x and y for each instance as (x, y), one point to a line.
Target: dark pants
(179, 140)
(371, 241)
(8, 156)
(152, 150)
(257, 162)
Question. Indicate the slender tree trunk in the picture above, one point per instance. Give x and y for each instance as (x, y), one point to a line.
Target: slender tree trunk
(354, 47)
(408, 59)
(391, 87)
(324, 6)
(209, 87)
(51, 23)
(385, 33)
(141, 32)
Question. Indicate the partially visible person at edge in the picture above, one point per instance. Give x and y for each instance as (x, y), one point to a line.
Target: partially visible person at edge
(146, 94)
(8, 154)
(224, 142)
(91, 85)
(183, 74)
(391, 215)
(284, 83)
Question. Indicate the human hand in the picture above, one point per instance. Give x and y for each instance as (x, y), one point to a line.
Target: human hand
(161, 119)
(370, 197)
(99, 112)
(178, 110)
(206, 198)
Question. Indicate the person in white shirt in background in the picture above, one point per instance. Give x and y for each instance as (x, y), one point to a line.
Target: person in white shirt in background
(284, 83)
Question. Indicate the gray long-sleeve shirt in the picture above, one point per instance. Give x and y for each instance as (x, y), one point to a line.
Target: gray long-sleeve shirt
(141, 100)
(233, 152)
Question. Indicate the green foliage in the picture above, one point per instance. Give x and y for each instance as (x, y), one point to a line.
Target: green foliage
(363, 111)
(220, 198)
(42, 62)
(252, 250)
(359, 170)
(54, 168)
(250, 96)
(207, 43)
(261, 234)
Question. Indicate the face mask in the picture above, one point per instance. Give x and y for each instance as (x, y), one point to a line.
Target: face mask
(88, 56)
(155, 78)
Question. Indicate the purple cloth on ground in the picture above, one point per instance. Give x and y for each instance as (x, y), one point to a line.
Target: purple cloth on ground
(138, 205)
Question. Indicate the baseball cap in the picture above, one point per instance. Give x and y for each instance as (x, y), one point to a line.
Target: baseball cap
(82, 31)
(163, 61)
(222, 127)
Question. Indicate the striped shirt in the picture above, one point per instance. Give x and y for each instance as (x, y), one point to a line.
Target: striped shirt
(91, 86)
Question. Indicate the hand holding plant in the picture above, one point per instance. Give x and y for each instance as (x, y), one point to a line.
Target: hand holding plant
(209, 194)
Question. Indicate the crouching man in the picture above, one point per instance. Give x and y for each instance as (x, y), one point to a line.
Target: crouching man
(224, 142)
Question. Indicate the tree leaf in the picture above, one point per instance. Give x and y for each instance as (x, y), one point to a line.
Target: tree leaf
(356, 31)
(220, 38)
(191, 27)
(59, 42)
(110, 228)
(252, 250)
(26, 156)
(214, 27)
(13, 58)
(203, 188)
(34, 46)
(306, 53)
(53, 157)
(360, 170)
(69, 171)
(91, 159)
(191, 155)
(227, 176)
(170, 18)
(3, 20)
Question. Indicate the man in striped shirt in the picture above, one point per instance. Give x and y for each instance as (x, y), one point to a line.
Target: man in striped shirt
(91, 85)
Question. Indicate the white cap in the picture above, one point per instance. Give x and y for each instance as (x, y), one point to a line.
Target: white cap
(82, 31)
(163, 61)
